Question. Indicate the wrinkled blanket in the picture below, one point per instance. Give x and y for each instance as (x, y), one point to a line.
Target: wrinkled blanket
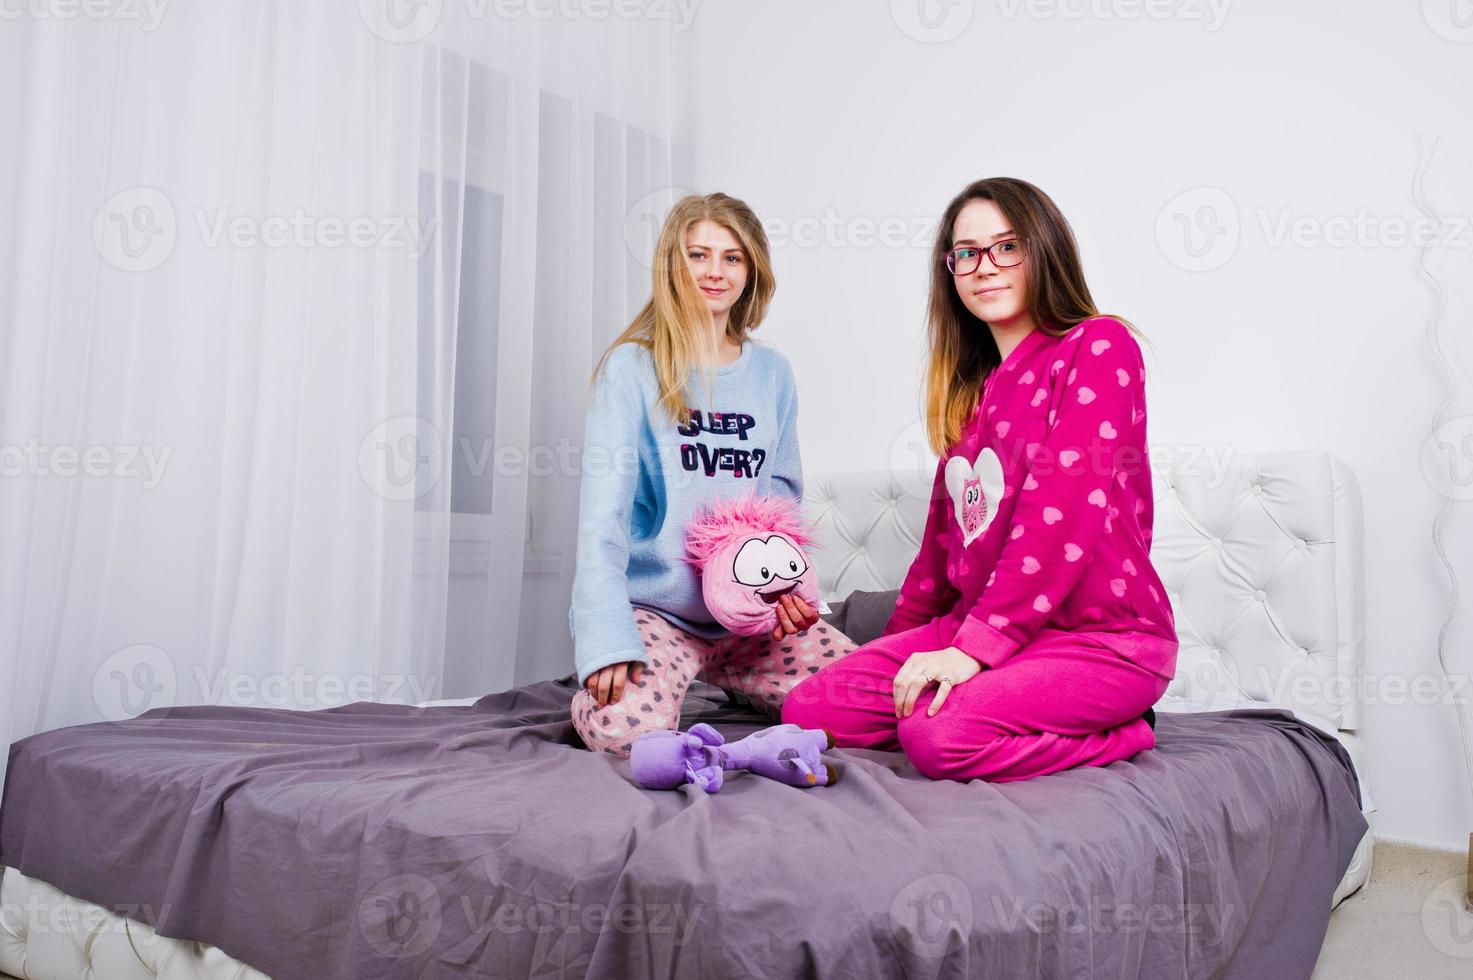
(378, 840)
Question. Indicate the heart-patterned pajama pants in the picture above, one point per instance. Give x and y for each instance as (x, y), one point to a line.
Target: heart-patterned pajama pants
(759, 667)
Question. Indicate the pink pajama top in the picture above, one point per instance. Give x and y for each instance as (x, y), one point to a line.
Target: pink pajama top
(1040, 514)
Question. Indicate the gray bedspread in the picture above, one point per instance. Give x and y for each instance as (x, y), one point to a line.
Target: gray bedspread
(386, 841)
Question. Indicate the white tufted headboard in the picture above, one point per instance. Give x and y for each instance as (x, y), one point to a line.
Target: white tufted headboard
(1260, 553)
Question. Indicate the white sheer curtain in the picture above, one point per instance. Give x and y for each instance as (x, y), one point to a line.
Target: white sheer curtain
(299, 303)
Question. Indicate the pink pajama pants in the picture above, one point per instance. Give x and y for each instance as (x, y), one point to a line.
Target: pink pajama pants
(1066, 699)
(759, 667)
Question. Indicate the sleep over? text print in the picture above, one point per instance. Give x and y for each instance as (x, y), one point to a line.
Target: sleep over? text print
(699, 457)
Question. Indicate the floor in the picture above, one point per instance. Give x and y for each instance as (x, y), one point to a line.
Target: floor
(1408, 921)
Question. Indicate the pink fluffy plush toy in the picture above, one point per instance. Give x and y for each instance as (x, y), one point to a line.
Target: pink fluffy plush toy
(749, 552)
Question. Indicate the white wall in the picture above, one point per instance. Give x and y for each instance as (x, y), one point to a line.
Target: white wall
(828, 110)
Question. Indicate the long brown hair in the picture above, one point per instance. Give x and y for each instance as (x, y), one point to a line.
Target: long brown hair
(962, 351)
(675, 323)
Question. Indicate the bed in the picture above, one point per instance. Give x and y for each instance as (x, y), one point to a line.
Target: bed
(479, 839)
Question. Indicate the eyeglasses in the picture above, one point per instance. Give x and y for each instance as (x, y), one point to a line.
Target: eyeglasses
(965, 259)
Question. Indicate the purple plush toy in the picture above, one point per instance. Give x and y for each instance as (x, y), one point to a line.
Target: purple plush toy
(786, 753)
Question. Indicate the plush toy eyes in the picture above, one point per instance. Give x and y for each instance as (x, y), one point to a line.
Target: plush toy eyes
(788, 561)
(752, 566)
(760, 561)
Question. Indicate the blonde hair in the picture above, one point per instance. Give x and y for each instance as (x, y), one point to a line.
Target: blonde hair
(675, 323)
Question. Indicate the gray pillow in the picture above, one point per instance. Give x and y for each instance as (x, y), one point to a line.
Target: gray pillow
(862, 615)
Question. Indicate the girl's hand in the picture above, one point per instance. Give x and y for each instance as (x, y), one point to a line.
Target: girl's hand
(793, 616)
(607, 683)
(949, 664)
